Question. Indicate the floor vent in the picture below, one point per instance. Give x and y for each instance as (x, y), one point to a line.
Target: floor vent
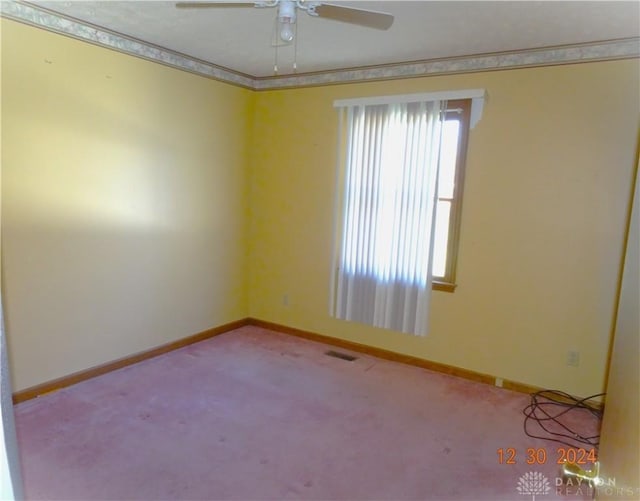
(343, 356)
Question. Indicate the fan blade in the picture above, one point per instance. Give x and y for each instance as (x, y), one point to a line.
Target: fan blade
(206, 5)
(368, 18)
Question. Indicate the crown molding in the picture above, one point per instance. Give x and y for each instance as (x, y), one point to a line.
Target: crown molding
(40, 17)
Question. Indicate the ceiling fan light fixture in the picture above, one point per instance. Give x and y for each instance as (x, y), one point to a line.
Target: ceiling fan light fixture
(286, 30)
(287, 13)
(286, 19)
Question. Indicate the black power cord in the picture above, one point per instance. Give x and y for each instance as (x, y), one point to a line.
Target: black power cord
(547, 406)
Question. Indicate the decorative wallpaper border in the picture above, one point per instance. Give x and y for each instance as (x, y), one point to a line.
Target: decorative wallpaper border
(549, 56)
(567, 54)
(43, 18)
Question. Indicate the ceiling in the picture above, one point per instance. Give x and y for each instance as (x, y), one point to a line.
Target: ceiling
(242, 39)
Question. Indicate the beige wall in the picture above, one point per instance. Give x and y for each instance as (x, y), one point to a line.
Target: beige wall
(620, 440)
(548, 181)
(123, 203)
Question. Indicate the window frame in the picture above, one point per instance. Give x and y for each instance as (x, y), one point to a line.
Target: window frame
(460, 109)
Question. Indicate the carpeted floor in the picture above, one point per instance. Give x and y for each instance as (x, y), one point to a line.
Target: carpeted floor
(256, 415)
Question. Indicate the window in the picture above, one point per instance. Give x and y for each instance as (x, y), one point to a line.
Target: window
(453, 151)
(398, 215)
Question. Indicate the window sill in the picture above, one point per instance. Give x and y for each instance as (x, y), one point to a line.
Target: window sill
(443, 286)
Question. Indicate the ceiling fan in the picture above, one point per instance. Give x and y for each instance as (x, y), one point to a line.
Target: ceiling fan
(287, 13)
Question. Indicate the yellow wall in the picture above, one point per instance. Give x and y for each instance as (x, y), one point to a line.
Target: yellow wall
(123, 203)
(547, 186)
(142, 204)
(620, 440)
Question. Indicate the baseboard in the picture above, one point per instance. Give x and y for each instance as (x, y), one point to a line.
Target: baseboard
(382, 353)
(392, 356)
(77, 377)
(520, 387)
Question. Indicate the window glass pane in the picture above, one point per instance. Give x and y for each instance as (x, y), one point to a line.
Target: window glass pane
(441, 238)
(448, 156)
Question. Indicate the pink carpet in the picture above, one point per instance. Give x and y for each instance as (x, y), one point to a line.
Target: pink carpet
(256, 415)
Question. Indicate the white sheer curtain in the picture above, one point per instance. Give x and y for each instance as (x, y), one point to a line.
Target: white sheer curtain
(386, 215)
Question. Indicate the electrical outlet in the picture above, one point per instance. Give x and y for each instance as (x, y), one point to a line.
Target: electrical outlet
(499, 382)
(573, 358)
(285, 300)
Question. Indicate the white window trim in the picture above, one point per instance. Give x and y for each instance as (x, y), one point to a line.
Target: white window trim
(477, 97)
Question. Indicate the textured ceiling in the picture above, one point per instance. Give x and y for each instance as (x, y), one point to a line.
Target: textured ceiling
(241, 39)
